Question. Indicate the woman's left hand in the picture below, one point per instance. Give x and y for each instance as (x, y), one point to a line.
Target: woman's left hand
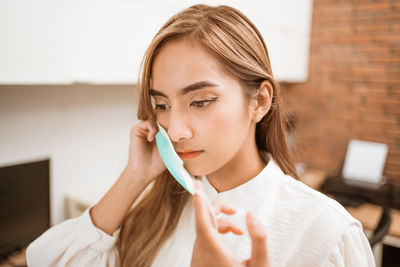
(210, 251)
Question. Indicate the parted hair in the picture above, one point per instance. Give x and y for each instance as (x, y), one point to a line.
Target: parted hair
(233, 40)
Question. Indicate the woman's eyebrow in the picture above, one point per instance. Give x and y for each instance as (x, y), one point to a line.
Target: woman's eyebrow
(187, 89)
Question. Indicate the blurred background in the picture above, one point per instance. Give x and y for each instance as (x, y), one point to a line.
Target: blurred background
(68, 77)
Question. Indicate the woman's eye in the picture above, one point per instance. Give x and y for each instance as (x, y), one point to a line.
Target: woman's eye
(202, 103)
(161, 106)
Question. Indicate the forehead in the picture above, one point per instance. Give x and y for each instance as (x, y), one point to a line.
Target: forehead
(181, 63)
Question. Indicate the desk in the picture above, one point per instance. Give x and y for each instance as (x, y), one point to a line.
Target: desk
(368, 214)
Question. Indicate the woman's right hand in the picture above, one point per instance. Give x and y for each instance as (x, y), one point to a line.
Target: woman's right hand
(143, 166)
(144, 158)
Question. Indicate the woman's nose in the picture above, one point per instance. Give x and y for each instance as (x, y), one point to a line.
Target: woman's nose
(178, 128)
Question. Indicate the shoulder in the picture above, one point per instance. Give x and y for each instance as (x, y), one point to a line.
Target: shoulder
(295, 199)
(314, 210)
(313, 199)
(353, 249)
(306, 220)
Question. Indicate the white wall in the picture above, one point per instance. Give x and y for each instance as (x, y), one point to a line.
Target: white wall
(103, 41)
(84, 130)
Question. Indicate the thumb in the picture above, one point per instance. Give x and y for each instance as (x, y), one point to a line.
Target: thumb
(259, 256)
(204, 225)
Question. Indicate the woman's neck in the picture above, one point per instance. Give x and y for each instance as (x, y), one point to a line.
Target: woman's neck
(244, 166)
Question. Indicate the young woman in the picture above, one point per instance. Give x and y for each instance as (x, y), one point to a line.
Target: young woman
(206, 78)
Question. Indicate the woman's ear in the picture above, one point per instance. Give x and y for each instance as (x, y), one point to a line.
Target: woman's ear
(263, 101)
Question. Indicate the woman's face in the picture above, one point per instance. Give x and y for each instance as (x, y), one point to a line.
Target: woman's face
(202, 108)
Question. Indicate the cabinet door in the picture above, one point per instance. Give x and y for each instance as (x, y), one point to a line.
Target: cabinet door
(91, 41)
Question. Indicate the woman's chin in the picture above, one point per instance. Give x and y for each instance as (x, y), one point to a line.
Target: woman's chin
(198, 170)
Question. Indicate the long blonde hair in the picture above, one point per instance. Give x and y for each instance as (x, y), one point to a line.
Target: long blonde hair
(234, 41)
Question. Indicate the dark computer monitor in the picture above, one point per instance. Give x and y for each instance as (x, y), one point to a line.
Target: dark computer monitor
(24, 204)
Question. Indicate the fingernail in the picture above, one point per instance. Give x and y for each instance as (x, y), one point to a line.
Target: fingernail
(253, 218)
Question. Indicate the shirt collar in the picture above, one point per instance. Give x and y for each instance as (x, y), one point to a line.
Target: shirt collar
(251, 189)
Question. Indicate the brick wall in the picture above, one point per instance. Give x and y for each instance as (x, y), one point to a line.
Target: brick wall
(353, 88)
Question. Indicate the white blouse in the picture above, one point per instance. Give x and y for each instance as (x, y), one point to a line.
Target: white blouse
(303, 228)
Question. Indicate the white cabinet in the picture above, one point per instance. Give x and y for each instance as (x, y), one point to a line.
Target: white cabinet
(103, 41)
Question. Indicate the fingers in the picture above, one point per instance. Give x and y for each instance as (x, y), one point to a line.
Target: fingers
(146, 129)
(219, 206)
(258, 240)
(152, 130)
(226, 226)
(203, 221)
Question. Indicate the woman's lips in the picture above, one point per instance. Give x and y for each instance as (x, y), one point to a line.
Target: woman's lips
(189, 155)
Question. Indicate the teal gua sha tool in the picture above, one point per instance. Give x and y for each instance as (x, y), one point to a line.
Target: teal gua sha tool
(172, 161)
